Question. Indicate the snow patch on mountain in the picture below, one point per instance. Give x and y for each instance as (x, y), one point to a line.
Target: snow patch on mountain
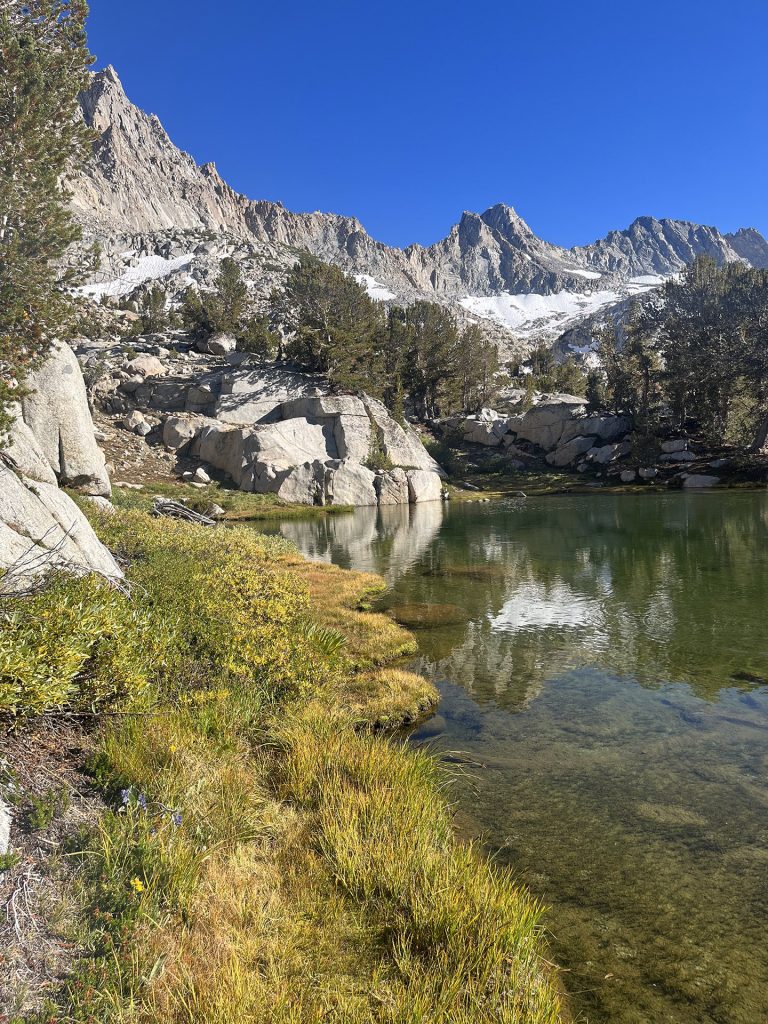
(147, 268)
(531, 314)
(375, 289)
(589, 275)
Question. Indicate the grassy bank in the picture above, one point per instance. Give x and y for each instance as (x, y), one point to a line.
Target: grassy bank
(265, 854)
(239, 506)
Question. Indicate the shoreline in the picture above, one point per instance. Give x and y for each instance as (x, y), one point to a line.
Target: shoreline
(346, 829)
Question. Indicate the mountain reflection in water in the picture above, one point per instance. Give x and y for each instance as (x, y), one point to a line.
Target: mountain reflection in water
(611, 676)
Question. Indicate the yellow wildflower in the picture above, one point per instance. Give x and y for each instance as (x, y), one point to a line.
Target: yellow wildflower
(137, 885)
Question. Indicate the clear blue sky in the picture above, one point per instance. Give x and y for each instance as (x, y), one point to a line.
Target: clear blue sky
(581, 115)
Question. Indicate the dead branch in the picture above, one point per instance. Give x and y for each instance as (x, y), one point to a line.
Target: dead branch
(175, 510)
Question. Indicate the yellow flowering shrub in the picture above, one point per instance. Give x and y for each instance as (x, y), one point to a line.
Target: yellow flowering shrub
(76, 642)
(239, 616)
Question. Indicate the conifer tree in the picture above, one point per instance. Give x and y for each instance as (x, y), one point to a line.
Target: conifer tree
(432, 365)
(154, 316)
(43, 67)
(334, 327)
(478, 370)
(228, 304)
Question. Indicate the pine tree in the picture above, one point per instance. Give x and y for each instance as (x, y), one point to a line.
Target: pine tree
(595, 391)
(334, 327)
(433, 359)
(43, 67)
(154, 316)
(194, 314)
(478, 368)
(227, 306)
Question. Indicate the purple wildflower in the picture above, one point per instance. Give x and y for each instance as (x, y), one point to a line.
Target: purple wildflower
(125, 796)
(176, 818)
(142, 801)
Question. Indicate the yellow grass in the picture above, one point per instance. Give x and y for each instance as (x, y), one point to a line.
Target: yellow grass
(314, 874)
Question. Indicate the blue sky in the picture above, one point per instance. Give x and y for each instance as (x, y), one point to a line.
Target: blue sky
(581, 115)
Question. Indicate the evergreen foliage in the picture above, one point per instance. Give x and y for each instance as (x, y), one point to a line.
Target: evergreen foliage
(43, 66)
(333, 326)
(154, 316)
(700, 355)
(547, 374)
(226, 310)
(414, 355)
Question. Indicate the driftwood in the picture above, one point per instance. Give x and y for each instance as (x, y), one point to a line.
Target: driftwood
(175, 510)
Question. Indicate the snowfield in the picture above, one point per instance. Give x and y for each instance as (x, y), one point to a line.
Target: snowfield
(375, 288)
(590, 275)
(533, 314)
(147, 268)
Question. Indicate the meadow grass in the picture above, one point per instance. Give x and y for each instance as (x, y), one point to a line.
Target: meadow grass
(267, 857)
(239, 506)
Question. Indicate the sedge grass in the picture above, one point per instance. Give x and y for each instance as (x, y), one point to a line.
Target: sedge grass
(267, 861)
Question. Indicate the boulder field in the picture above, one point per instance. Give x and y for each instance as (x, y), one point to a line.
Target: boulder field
(558, 424)
(559, 429)
(266, 426)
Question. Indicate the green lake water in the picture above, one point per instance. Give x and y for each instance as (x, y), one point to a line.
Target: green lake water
(604, 688)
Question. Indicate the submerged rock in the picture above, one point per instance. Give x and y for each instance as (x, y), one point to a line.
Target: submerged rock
(425, 615)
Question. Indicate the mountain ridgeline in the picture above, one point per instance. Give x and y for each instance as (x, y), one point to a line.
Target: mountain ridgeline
(139, 188)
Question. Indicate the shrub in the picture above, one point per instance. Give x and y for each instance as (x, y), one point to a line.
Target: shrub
(76, 642)
(237, 615)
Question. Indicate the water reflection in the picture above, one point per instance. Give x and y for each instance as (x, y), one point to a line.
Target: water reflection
(655, 587)
(611, 676)
(388, 540)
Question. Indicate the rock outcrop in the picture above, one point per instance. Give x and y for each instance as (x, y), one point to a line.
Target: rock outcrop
(51, 441)
(56, 415)
(543, 425)
(314, 449)
(269, 428)
(42, 528)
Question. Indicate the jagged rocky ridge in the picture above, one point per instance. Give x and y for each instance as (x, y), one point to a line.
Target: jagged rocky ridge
(143, 198)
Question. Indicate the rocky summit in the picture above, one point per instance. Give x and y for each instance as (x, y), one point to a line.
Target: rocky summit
(157, 214)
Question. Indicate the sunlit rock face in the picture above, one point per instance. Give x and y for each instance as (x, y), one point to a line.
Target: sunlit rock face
(51, 441)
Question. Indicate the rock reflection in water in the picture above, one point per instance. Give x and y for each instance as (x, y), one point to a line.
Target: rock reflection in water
(611, 676)
(388, 540)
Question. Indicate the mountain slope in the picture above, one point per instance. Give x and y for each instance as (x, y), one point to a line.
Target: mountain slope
(142, 197)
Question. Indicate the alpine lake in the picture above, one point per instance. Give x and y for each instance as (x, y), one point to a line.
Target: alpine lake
(603, 666)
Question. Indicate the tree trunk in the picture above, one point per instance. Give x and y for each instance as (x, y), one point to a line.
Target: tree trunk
(761, 434)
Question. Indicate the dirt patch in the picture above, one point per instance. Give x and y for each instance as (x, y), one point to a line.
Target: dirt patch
(131, 457)
(43, 780)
